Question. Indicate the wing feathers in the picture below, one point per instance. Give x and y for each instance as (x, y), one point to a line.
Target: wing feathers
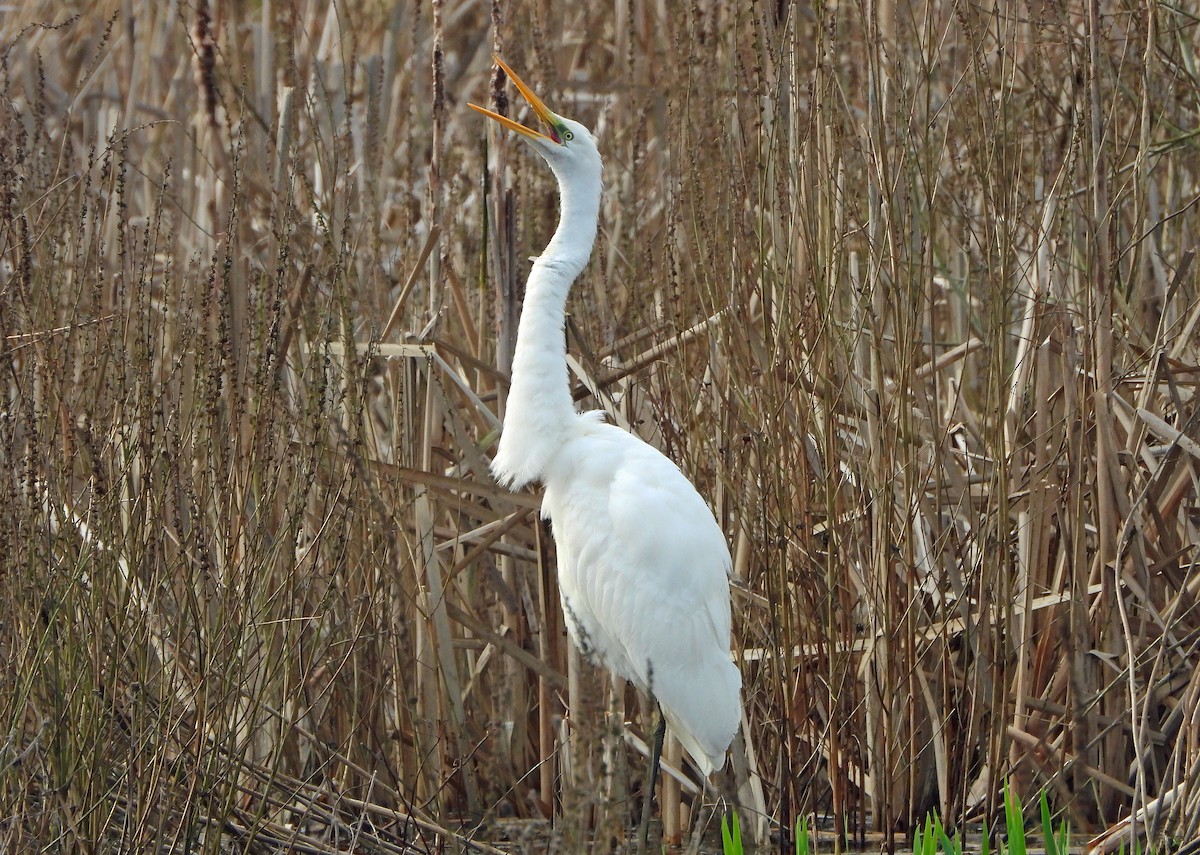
(643, 569)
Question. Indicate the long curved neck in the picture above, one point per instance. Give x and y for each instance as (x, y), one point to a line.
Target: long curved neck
(540, 412)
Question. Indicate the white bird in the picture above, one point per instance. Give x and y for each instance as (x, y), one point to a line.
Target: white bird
(643, 567)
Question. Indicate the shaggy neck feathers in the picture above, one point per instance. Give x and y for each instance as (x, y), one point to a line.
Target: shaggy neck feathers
(540, 413)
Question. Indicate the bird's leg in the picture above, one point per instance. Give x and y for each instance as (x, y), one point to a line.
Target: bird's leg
(660, 732)
(703, 815)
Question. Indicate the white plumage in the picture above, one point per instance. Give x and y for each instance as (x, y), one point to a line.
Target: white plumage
(643, 566)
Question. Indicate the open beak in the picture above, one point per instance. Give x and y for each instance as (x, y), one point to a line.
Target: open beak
(543, 113)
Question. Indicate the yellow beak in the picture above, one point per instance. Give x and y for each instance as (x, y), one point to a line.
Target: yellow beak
(540, 110)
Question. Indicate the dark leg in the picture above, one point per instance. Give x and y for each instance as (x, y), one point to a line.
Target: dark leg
(660, 732)
(702, 816)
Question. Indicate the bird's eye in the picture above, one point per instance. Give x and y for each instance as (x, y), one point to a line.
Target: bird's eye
(568, 136)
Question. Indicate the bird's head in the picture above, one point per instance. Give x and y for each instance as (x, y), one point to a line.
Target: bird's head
(567, 146)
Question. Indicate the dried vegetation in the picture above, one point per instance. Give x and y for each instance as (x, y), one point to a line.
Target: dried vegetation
(907, 288)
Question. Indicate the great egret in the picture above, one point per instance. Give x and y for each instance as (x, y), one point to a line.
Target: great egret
(643, 567)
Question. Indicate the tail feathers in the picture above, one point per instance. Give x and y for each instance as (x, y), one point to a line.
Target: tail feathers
(708, 758)
(704, 713)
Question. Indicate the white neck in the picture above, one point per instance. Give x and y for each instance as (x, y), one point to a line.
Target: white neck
(540, 412)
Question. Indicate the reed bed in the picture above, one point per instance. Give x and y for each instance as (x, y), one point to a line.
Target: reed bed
(907, 288)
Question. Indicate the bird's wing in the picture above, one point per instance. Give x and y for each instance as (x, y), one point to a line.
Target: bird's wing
(643, 568)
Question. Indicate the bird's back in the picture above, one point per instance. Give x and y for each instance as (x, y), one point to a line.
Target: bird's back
(643, 573)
